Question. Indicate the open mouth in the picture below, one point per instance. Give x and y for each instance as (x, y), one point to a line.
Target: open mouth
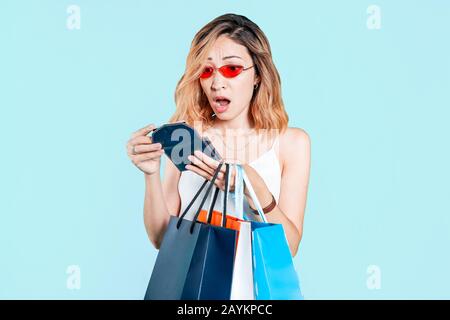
(221, 103)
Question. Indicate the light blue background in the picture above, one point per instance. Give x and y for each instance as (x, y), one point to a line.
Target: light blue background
(374, 102)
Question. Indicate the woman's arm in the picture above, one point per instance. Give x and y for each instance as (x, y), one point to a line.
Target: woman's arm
(161, 200)
(295, 150)
(295, 158)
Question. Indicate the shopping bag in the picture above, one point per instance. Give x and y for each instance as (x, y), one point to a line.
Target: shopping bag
(242, 283)
(274, 274)
(215, 282)
(195, 260)
(218, 218)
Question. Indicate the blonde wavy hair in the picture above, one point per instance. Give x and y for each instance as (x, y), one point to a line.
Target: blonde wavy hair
(266, 106)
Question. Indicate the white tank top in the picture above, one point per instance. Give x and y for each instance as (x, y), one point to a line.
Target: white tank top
(267, 166)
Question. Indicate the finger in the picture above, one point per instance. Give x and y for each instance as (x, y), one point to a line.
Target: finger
(200, 164)
(206, 174)
(221, 179)
(147, 156)
(219, 182)
(140, 140)
(133, 146)
(232, 174)
(211, 163)
(144, 131)
(143, 148)
(199, 171)
(231, 181)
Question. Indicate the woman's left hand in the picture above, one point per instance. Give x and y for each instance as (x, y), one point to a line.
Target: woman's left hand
(205, 167)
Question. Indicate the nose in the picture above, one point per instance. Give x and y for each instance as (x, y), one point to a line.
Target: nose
(218, 81)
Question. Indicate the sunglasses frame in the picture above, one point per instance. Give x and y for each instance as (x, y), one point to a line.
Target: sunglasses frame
(226, 65)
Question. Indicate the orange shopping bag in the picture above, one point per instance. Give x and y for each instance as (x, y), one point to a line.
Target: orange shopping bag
(216, 220)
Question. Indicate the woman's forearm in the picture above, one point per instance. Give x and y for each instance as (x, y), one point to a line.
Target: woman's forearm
(292, 234)
(264, 196)
(156, 214)
(277, 216)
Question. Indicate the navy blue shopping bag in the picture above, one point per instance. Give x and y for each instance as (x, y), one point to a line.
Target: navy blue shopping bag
(195, 260)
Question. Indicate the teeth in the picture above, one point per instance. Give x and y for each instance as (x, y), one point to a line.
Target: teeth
(222, 102)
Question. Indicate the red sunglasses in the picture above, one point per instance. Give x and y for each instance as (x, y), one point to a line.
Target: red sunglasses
(228, 71)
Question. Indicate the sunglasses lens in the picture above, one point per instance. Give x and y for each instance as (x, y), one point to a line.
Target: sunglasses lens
(207, 72)
(231, 71)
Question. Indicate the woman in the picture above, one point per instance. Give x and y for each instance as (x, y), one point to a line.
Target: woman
(230, 88)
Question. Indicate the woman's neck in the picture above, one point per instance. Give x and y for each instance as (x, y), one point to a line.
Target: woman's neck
(237, 124)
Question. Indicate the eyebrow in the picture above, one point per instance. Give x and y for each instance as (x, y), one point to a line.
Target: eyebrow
(227, 57)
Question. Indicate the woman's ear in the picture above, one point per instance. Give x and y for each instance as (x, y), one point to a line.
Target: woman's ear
(256, 81)
(255, 85)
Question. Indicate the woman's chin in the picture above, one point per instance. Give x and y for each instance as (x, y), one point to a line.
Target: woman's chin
(224, 116)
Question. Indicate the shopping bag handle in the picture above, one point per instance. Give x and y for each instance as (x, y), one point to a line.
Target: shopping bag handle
(216, 173)
(211, 207)
(239, 193)
(252, 194)
(192, 202)
(208, 190)
(225, 198)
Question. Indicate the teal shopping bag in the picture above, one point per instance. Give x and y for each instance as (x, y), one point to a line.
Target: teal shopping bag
(274, 274)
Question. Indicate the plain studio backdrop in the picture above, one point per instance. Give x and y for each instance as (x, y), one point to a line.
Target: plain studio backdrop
(369, 81)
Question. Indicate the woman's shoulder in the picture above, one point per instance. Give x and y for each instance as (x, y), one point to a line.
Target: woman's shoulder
(294, 135)
(293, 142)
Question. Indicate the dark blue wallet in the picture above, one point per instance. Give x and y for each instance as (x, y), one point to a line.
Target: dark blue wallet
(179, 140)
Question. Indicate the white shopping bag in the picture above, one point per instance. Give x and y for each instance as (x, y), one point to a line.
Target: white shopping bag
(242, 282)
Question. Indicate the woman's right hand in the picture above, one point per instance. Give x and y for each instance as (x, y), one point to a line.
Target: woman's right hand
(145, 154)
